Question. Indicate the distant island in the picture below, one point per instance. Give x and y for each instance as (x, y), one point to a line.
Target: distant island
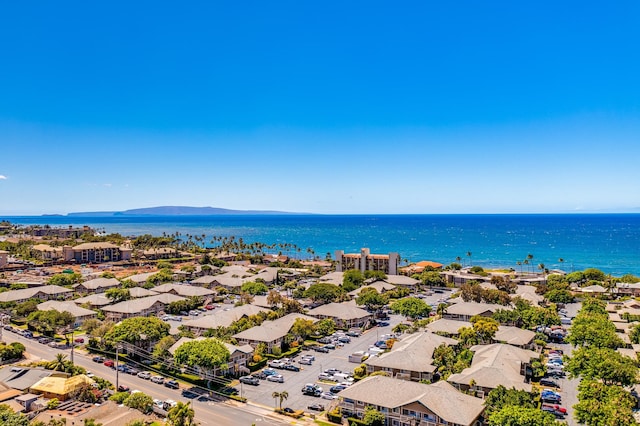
(179, 211)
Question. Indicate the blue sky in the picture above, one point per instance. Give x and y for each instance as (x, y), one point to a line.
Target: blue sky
(332, 107)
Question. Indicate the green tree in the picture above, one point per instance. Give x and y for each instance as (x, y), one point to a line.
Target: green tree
(325, 326)
(352, 279)
(604, 405)
(411, 307)
(181, 415)
(161, 349)
(302, 328)
(281, 396)
(373, 417)
(25, 308)
(132, 330)
(118, 294)
(634, 334)
(501, 397)
(49, 322)
(374, 275)
(139, 401)
(206, 354)
(432, 278)
(323, 292)
(59, 363)
(518, 416)
(65, 280)
(255, 288)
(608, 365)
(485, 328)
(371, 299)
(9, 418)
(559, 296)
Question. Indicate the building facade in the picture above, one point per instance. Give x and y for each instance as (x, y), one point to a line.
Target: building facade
(365, 261)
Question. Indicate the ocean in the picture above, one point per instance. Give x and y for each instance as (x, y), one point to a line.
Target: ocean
(610, 242)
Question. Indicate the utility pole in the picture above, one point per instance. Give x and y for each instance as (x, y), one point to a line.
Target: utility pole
(117, 370)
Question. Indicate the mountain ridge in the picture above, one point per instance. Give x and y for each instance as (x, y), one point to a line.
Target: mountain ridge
(181, 211)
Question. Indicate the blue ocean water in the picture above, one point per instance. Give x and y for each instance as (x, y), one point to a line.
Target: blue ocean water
(610, 242)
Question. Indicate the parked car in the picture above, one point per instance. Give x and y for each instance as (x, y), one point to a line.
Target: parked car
(269, 372)
(316, 407)
(132, 371)
(337, 388)
(556, 413)
(79, 340)
(259, 375)
(325, 340)
(549, 382)
(276, 378)
(144, 375)
(556, 407)
(250, 380)
(291, 367)
(312, 389)
(189, 394)
(98, 359)
(344, 339)
(309, 356)
(332, 371)
(205, 398)
(354, 333)
(157, 379)
(321, 349)
(275, 363)
(210, 307)
(123, 388)
(325, 376)
(550, 398)
(109, 363)
(328, 395)
(172, 384)
(305, 361)
(168, 404)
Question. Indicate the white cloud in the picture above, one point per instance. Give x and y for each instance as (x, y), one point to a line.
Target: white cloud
(3, 177)
(108, 185)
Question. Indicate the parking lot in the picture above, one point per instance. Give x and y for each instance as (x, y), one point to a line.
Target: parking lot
(295, 381)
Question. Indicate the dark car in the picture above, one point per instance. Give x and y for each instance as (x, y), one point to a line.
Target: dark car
(172, 384)
(188, 394)
(549, 382)
(123, 388)
(337, 388)
(291, 367)
(205, 398)
(321, 349)
(550, 398)
(249, 380)
(98, 359)
(227, 390)
(259, 375)
(556, 413)
(316, 407)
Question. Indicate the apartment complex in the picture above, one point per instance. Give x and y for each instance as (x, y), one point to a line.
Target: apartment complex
(365, 261)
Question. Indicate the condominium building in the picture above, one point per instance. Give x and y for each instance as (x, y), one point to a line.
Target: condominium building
(365, 261)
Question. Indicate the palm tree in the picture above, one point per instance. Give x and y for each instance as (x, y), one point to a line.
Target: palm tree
(530, 258)
(520, 265)
(283, 396)
(525, 262)
(541, 267)
(181, 414)
(469, 254)
(275, 396)
(561, 260)
(59, 363)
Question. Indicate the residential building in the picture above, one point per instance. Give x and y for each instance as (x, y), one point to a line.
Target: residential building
(629, 289)
(221, 318)
(271, 333)
(96, 253)
(402, 281)
(410, 358)
(494, 365)
(142, 307)
(97, 285)
(93, 300)
(515, 336)
(449, 327)
(161, 253)
(378, 286)
(345, 315)
(365, 261)
(464, 311)
(63, 233)
(79, 314)
(46, 253)
(45, 292)
(184, 290)
(419, 267)
(410, 403)
(60, 387)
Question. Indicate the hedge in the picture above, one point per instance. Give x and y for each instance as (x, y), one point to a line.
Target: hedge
(287, 354)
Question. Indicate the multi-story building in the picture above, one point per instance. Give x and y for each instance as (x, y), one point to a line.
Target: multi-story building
(96, 253)
(365, 261)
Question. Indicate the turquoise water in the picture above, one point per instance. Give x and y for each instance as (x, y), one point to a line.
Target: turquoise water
(610, 242)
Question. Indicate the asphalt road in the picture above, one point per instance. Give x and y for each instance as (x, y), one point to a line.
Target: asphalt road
(207, 413)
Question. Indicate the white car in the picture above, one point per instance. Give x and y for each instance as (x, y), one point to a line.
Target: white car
(276, 378)
(157, 379)
(325, 376)
(328, 395)
(144, 375)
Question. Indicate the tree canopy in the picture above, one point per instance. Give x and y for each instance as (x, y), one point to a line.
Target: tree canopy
(207, 354)
(323, 292)
(411, 307)
(518, 416)
(371, 299)
(132, 330)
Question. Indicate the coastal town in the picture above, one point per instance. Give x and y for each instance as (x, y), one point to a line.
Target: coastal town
(178, 329)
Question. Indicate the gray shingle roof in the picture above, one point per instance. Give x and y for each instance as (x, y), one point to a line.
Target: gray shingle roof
(439, 398)
(138, 305)
(270, 331)
(413, 353)
(339, 310)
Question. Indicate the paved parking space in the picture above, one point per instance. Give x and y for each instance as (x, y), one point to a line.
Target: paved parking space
(295, 381)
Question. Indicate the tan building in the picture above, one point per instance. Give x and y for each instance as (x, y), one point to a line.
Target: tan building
(96, 253)
(45, 292)
(365, 261)
(4, 258)
(271, 333)
(410, 358)
(46, 253)
(344, 315)
(97, 285)
(410, 403)
(79, 314)
(142, 307)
